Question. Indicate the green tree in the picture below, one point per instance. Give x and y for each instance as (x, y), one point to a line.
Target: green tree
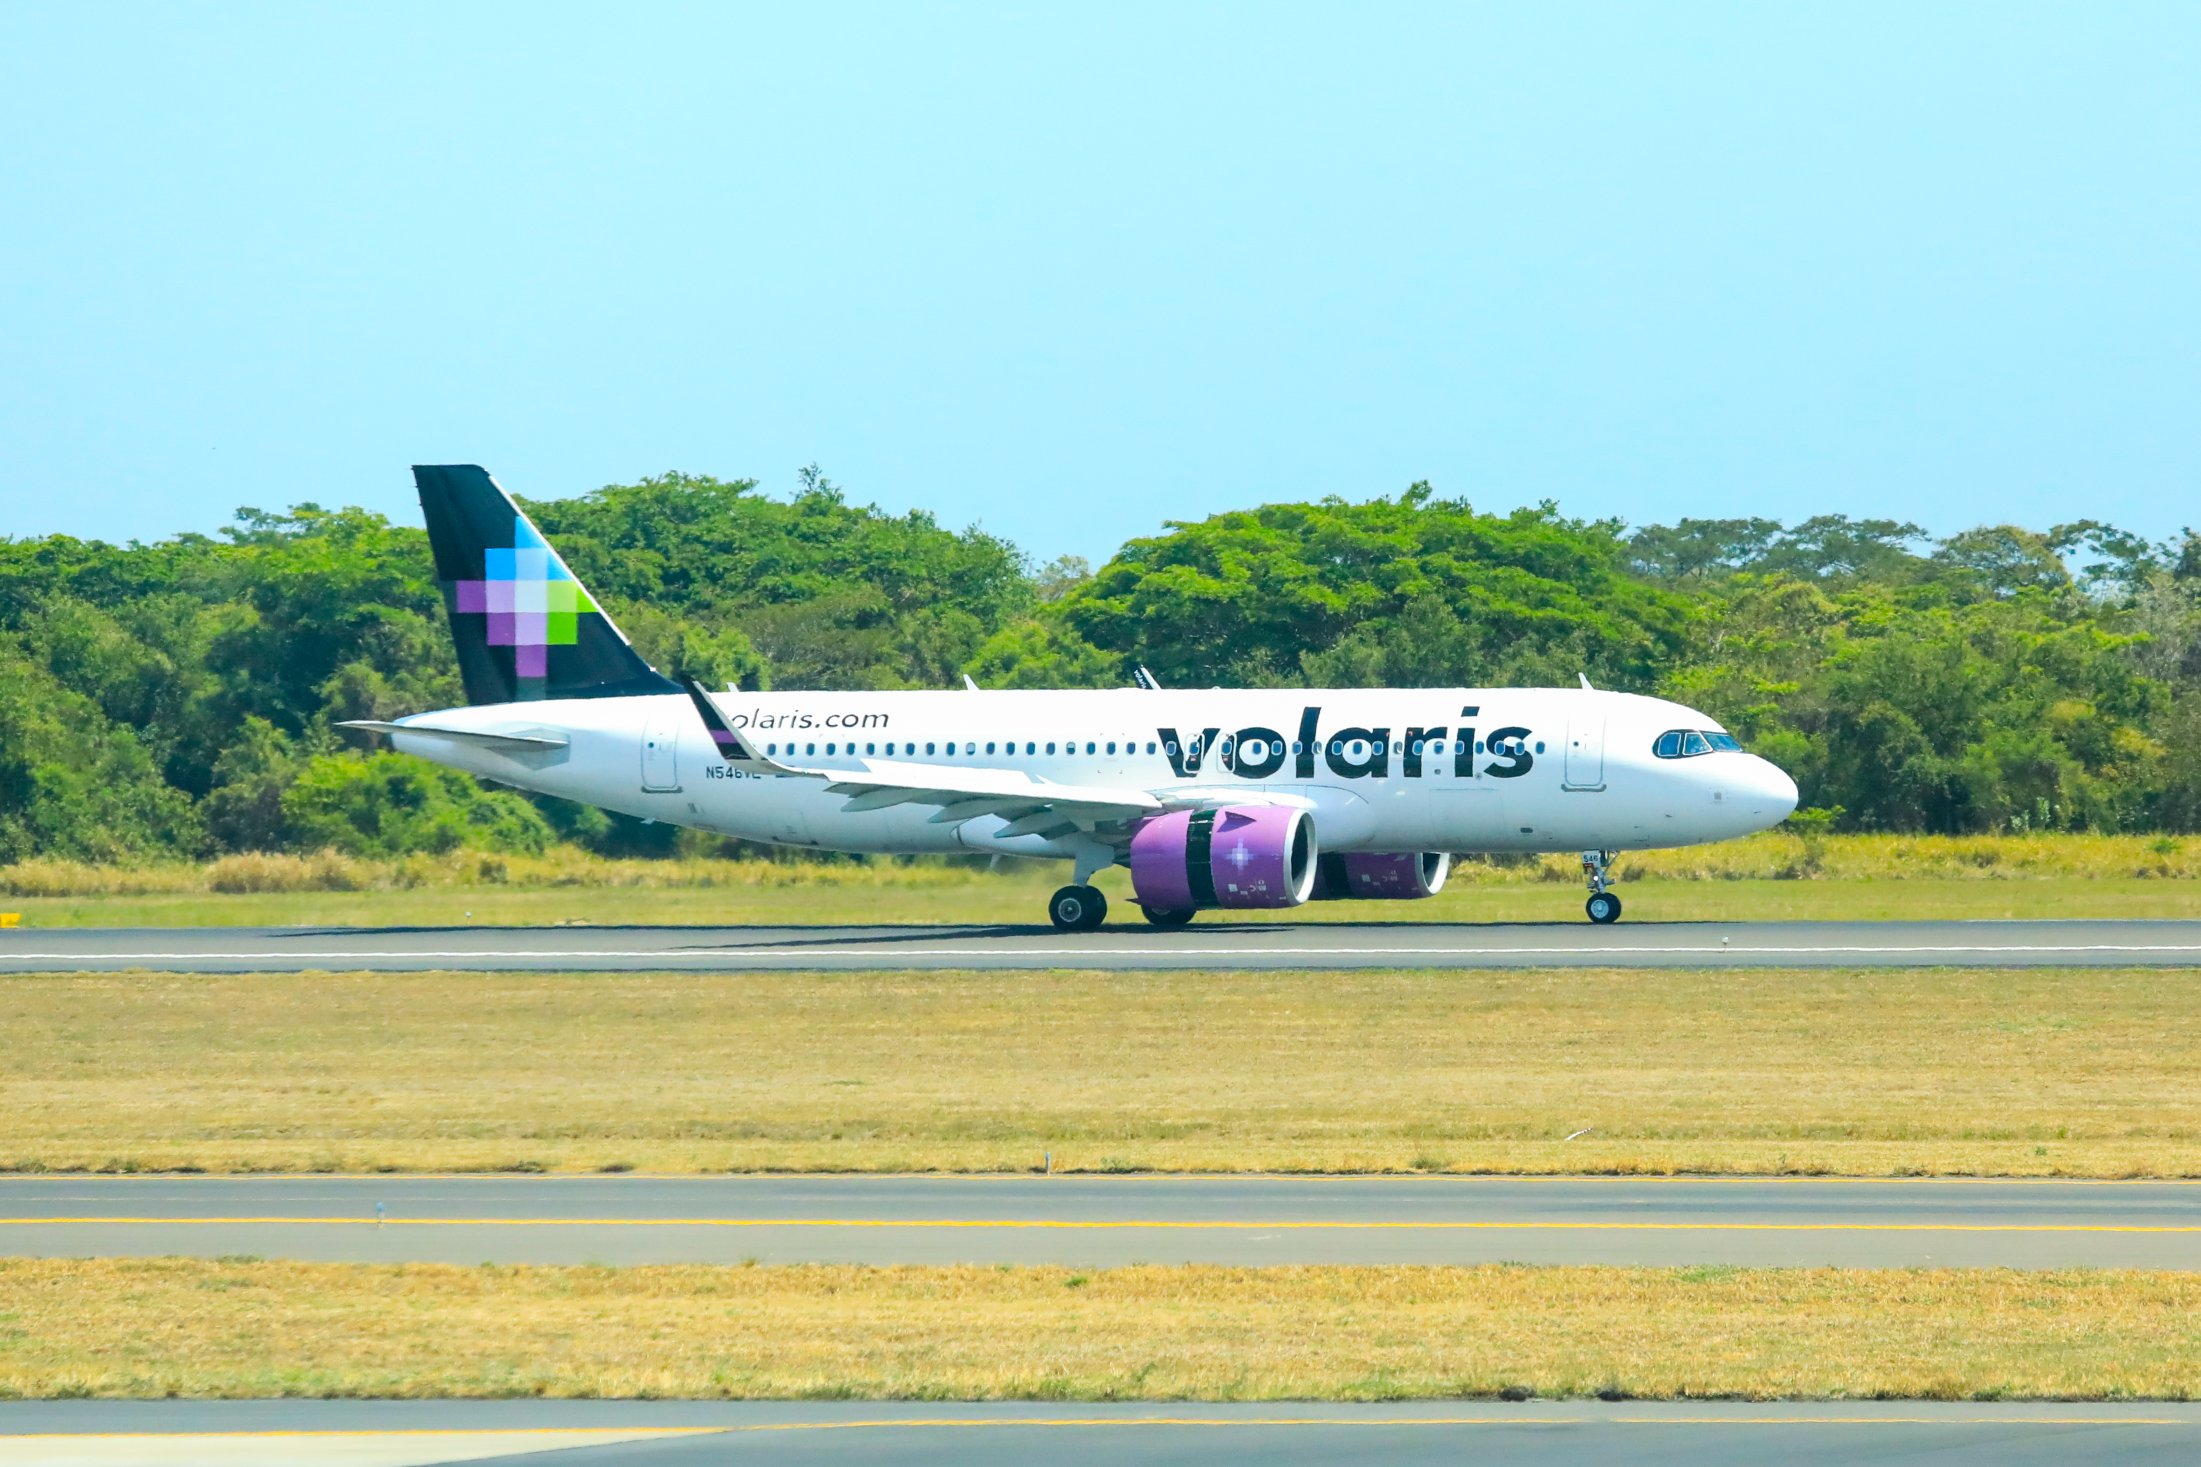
(390, 804)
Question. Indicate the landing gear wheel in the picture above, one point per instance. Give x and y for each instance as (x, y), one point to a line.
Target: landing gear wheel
(1597, 867)
(1169, 916)
(1077, 909)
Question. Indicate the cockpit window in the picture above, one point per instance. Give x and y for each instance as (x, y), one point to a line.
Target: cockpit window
(1687, 743)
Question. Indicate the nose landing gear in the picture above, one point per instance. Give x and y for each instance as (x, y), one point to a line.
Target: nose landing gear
(1602, 906)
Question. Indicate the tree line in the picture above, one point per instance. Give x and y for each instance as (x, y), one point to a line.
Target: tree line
(179, 698)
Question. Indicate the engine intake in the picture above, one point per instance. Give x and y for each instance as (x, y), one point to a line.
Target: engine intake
(1242, 856)
(1381, 875)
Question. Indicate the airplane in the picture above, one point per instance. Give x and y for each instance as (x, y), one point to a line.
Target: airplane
(1212, 798)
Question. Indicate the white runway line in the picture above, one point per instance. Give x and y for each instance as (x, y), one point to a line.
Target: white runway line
(679, 955)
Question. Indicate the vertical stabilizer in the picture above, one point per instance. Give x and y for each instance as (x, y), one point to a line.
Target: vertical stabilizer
(525, 628)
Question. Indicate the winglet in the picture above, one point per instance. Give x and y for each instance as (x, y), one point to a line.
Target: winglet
(731, 746)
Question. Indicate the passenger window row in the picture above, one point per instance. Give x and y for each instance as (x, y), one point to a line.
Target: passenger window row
(1674, 745)
(908, 747)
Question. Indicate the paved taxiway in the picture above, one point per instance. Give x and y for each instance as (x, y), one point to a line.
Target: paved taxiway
(1215, 945)
(691, 1433)
(1083, 1221)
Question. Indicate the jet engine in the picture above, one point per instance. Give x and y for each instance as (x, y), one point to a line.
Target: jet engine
(1243, 856)
(1381, 875)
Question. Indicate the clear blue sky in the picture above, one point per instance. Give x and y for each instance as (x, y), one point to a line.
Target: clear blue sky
(1070, 271)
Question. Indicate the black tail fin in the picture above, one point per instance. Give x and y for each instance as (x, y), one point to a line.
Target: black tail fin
(526, 629)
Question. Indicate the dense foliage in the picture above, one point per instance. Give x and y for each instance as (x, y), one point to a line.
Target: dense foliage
(179, 697)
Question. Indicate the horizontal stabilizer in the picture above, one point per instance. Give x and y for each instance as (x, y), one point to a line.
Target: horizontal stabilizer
(512, 741)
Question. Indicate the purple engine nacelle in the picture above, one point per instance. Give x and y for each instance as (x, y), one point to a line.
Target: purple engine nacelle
(1382, 875)
(1244, 856)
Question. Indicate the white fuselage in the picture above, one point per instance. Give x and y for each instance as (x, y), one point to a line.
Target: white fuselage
(1462, 770)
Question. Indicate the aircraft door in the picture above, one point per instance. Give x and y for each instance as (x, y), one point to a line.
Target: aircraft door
(661, 747)
(1586, 752)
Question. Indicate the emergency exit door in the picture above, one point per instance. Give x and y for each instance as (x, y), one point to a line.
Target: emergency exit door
(1586, 752)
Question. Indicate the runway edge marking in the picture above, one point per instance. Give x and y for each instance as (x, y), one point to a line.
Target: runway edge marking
(1075, 1224)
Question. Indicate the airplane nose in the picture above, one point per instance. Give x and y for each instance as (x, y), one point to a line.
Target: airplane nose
(1771, 793)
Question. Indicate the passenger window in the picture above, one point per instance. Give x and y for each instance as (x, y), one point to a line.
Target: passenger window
(829, 748)
(1149, 746)
(928, 746)
(1171, 746)
(989, 746)
(1089, 747)
(1050, 746)
(771, 748)
(1111, 746)
(1539, 746)
(810, 748)
(1030, 747)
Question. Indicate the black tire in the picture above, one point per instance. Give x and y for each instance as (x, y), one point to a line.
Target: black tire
(1169, 916)
(1603, 908)
(1077, 909)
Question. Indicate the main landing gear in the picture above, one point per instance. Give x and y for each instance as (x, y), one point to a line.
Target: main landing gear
(1169, 916)
(1077, 908)
(1602, 906)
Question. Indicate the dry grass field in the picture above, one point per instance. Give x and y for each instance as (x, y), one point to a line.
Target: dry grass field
(176, 1327)
(2018, 1072)
(1772, 876)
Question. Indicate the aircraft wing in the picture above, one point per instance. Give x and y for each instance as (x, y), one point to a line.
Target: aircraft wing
(1031, 806)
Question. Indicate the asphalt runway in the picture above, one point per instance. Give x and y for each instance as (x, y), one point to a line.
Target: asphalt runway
(1217, 945)
(1101, 1222)
(693, 1433)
